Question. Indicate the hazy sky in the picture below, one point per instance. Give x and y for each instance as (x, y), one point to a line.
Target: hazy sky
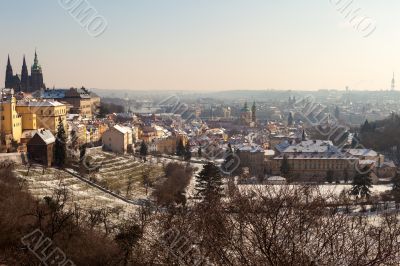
(208, 44)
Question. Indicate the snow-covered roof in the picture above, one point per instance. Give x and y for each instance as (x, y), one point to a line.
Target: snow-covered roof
(282, 146)
(362, 152)
(250, 148)
(40, 104)
(46, 136)
(276, 178)
(123, 129)
(269, 152)
(312, 146)
(366, 162)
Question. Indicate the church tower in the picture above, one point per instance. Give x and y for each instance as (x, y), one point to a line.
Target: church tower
(253, 112)
(9, 82)
(36, 81)
(24, 77)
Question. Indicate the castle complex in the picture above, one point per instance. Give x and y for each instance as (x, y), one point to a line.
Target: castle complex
(25, 82)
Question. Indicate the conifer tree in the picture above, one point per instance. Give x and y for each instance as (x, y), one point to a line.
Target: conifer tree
(60, 147)
(209, 183)
(188, 153)
(143, 149)
(361, 185)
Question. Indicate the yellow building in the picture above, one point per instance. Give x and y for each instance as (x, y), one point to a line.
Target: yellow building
(11, 121)
(48, 114)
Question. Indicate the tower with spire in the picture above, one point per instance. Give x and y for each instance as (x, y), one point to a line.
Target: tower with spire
(245, 114)
(9, 81)
(24, 76)
(393, 87)
(36, 79)
(253, 112)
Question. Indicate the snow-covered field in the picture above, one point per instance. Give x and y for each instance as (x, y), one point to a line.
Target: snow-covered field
(114, 173)
(86, 196)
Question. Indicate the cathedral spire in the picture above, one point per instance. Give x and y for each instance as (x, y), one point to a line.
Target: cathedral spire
(9, 74)
(24, 76)
(36, 65)
(35, 60)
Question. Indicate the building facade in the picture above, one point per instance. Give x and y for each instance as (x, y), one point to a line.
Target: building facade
(311, 160)
(81, 101)
(11, 122)
(48, 113)
(117, 139)
(252, 157)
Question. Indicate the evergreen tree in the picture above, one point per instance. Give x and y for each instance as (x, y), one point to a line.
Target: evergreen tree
(188, 153)
(82, 152)
(209, 183)
(199, 152)
(290, 119)
(396, 183)
(229, 148)
(361, 185)
(60, 148)
(180, 148)
(329, 176)
(143, 149)
(396, 187)
(285, 167)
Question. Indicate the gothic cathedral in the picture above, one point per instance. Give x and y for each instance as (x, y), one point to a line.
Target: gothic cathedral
(24, 82)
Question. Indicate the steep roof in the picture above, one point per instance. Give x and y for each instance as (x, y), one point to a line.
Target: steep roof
(122, 129)
(45, 135)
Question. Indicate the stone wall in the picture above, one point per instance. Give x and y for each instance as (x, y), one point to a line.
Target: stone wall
(20, 158)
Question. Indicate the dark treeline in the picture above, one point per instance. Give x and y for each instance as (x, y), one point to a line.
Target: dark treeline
(109, 108)
(382, 135)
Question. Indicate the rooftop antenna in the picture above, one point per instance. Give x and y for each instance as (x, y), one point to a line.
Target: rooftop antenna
(393, 83)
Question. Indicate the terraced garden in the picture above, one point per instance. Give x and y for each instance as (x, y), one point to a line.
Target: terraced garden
(124, 175)
(121, 175)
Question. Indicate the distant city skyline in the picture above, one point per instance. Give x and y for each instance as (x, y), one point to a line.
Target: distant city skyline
(207, 45)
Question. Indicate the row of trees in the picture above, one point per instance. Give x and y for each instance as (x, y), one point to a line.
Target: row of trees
(382, 135)
(269, 225)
